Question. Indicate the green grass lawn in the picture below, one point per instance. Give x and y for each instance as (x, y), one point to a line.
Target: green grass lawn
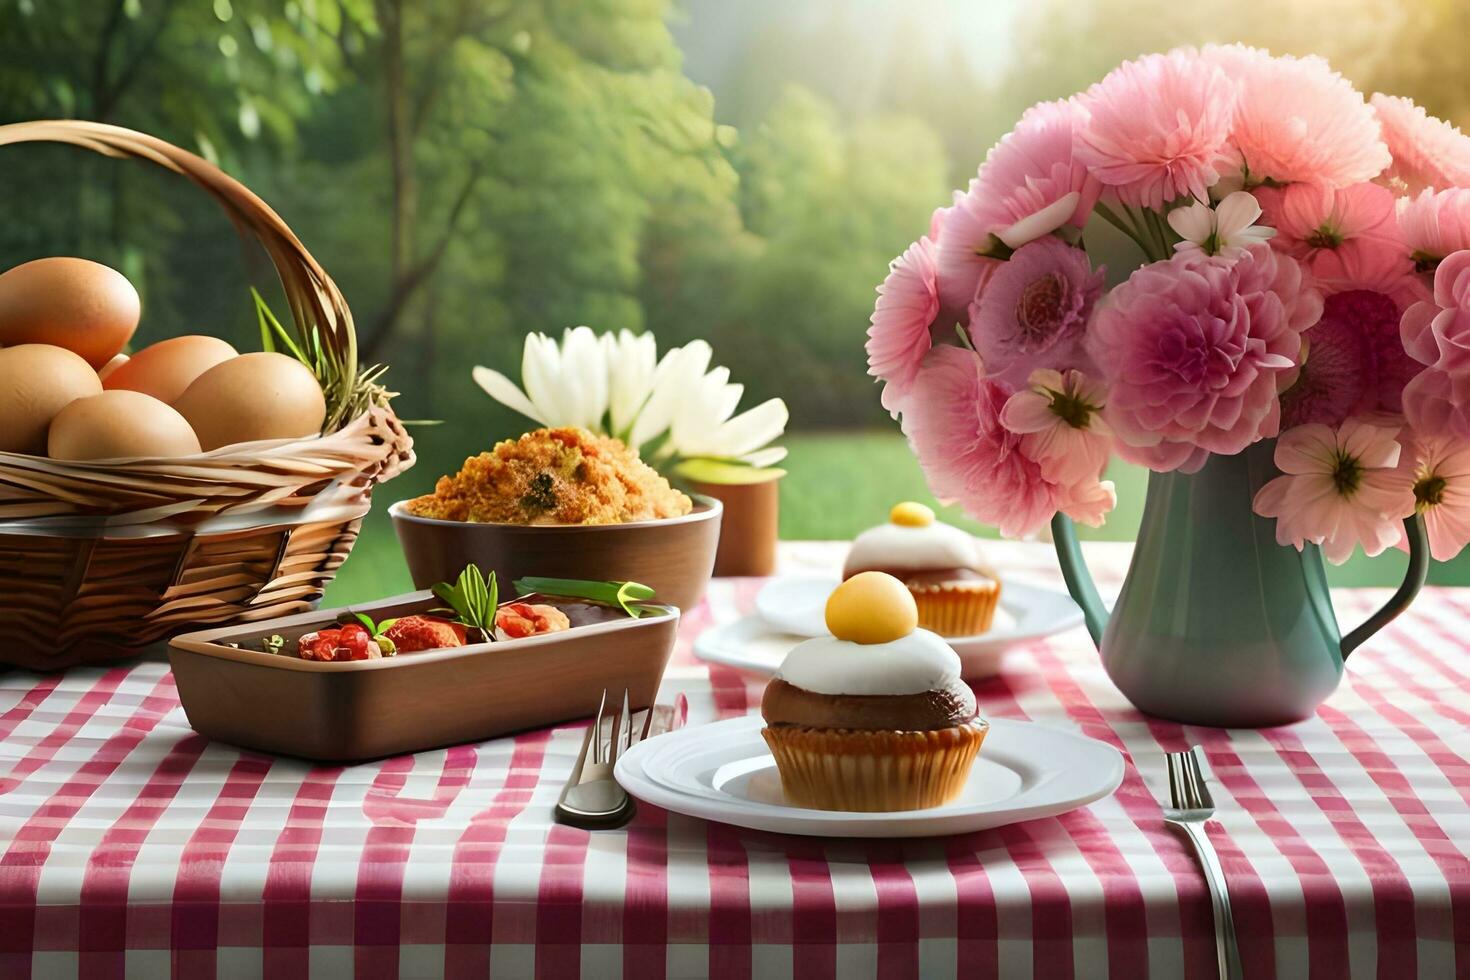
(837, 484)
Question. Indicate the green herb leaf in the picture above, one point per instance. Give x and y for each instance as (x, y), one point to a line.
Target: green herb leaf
(624, 594)
(377, 629)
(273, 336)
(471, 598)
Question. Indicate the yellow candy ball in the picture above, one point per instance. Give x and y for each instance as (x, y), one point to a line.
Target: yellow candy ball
(871, 607)
(911, 514)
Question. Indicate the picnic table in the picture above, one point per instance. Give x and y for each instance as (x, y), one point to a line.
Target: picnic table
(131, 845)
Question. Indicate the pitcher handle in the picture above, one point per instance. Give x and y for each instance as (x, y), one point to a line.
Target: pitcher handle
(1079, 580)
(1399, 601)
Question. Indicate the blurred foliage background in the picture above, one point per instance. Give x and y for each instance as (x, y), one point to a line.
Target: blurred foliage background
(471, 170)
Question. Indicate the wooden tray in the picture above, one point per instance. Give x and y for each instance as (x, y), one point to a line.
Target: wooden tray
(367, 709)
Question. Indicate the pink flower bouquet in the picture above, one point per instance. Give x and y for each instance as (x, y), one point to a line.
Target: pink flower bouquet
(1305, 277)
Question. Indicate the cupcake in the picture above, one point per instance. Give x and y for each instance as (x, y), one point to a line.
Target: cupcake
(874, 717)
(956, 593)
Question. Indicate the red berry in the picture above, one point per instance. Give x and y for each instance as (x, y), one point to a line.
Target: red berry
(321, 645)
(353, 643)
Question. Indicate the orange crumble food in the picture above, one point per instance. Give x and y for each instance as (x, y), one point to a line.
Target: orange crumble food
(554, 476)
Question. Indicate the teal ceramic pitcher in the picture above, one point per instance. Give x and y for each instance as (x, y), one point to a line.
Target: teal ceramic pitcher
(1217, 624)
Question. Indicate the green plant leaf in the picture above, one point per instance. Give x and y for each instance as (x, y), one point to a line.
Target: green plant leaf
(623, 594)
(471, 598)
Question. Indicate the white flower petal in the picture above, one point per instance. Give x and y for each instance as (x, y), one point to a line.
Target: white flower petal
(1236, 213)
(503, 390)
(541, 376)
(1195, 223)
(762, 458)
(1043, 222)
(751, 430)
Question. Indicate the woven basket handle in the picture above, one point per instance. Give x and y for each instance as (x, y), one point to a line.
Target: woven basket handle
(316, 302)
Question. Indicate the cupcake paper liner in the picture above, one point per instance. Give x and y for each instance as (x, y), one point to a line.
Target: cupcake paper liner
(959, 609)
(873, 771)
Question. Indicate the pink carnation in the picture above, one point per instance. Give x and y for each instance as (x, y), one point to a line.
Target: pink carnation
(908, 302)
(1029, 186)
(953, 423)
(1298, 120)
(1437, 330)
(1157, 128)
(1434, 224)
(1437, 402)
(1427, 152)
(1033, 312)
(1194, 349)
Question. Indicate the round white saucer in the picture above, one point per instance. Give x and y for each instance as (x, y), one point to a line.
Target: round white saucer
(724, 772)
(791, 609)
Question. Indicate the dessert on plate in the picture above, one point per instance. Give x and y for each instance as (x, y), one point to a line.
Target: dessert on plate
(874, 717)
(955, 591)
(554, 476)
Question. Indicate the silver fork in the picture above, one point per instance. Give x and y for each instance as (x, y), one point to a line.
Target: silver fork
(1191, 806)
(592, 798)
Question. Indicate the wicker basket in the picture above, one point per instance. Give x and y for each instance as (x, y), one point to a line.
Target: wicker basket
(98, 559)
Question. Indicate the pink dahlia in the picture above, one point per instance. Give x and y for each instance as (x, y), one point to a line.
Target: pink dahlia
(1437, 402)
(1434, 224)
(1298, 120)
(908, 303)
(1194, 349)
(1029, 186)
(1354, 362)
(952, 420)
(1338, 489)
(1437, 330)
(1427, 152)
(1033, 312)
(1157, 128)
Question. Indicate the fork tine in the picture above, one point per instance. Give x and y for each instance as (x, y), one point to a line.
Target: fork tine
(1197, 779)
(628, 723)
(1176, 788)
(647, 722)
(1206, 772)
(623, 732)
(597, 730)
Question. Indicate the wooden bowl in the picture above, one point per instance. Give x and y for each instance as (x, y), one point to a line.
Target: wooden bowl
(368, 709)
(674, 556)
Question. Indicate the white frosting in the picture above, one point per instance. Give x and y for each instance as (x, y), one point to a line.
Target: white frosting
(913, 549)
(911, 664)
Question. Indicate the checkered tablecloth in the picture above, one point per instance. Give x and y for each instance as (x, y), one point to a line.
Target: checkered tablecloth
(130, 845)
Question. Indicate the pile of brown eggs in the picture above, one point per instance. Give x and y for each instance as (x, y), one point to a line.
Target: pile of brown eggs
(68, 392)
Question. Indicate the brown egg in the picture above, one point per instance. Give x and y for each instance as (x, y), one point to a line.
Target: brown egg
(118, 425)
(73, 303)
(105, 371)
(168, 367)
(253, 396)
(36, 382)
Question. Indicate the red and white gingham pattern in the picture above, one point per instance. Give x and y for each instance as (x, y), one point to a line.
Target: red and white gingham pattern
(130, 845)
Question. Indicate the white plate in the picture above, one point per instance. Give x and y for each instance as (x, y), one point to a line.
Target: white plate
(791, 608)
(724, 772)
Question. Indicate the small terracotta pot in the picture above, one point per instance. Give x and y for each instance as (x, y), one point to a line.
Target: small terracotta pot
(750, 527)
